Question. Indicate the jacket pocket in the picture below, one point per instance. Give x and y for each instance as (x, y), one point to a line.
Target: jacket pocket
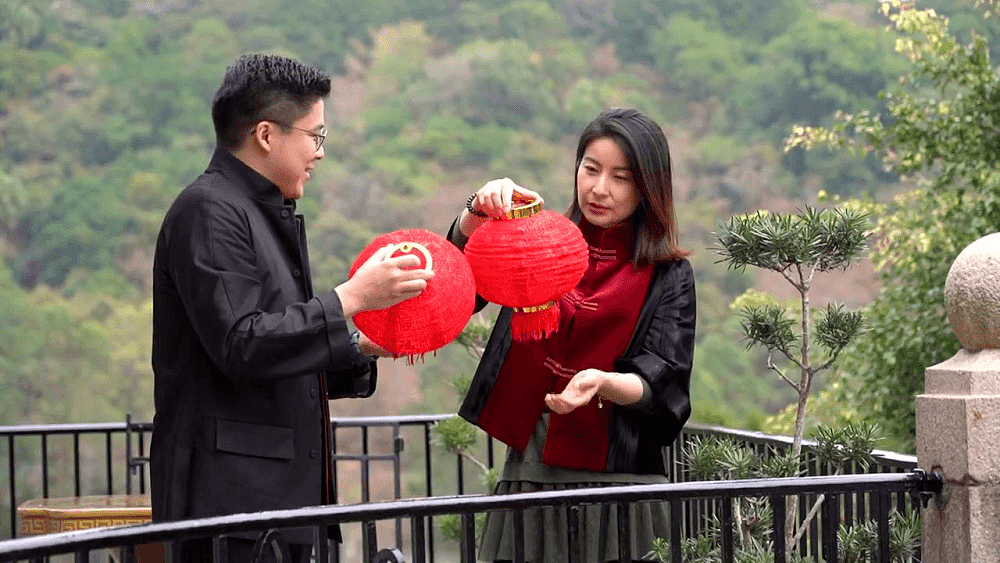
(259, 440)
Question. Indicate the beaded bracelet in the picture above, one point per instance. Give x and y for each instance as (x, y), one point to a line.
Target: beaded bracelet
(472, 210)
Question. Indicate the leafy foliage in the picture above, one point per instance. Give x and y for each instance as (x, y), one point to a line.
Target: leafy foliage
(837, 328)
(455, 434)
(796, 246)
(714, 458)
(859, 543)
(103, 119)
(820, 239)
(452, 528)
(718, 459)
(939, 133)
(850, 444)
(770, 328)
(80, 227)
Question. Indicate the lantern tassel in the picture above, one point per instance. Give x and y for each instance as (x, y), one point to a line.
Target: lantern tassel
(411, 359)
(534, 325)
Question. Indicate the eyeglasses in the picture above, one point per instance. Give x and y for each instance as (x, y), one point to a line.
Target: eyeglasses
(318, 137)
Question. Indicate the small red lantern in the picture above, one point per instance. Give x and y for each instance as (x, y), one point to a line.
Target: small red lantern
(527, 262)
(436, 316)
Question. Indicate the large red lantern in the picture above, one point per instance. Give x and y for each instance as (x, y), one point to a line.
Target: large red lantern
(435, 317)
(527, 262)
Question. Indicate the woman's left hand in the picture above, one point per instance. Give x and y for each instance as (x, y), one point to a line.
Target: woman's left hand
(578, 392)
(369, 348)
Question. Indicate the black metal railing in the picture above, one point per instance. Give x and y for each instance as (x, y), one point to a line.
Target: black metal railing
(880, 487)
(374, 459)
(51, 460)
(855, 507)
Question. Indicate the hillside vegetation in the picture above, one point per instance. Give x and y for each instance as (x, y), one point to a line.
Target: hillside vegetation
(104, 119)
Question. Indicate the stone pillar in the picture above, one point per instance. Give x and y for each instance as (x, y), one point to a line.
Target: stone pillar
(958, 416)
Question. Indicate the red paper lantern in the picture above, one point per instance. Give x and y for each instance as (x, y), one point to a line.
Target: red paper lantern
(528, 263)
(436, 316)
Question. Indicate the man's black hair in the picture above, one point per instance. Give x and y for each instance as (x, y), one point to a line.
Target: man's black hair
(259, 87)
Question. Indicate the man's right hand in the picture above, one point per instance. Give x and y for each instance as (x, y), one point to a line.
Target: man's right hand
(382, 282)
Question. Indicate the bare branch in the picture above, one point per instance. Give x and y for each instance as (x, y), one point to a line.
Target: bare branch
(827, 363)
(776, 369)
(791, 280)
(812, 514)
(791, 358)
(464, 453)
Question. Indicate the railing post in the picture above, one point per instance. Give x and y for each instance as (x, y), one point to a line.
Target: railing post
(728, 547)
(12, 472)
(778, 528)
(831, 523)
(129, 468)
(220, 549)
(882, 521)
(958, 416)
(418, 544)
(468, 544)
(369, 540)
(675, 531)
(321, 542)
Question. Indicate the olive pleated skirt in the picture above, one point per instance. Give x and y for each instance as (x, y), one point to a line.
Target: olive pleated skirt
(546, 529)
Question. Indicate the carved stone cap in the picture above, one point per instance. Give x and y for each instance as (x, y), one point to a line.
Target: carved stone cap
(972, 295)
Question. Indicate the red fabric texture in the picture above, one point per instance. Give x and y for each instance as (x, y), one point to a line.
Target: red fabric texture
(517, 398)
(527, 262)
(436, 316)
(597, 319)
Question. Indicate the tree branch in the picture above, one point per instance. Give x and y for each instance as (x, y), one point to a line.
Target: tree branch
(828, 362)
(776, 369)
(464, 453)
(790, 357)
(795, 283)
(738, 516)
(812, 514)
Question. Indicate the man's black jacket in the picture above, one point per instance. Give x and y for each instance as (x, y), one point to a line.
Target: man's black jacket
(244, 355)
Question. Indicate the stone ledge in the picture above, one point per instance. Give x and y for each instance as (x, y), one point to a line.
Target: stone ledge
(965, 373)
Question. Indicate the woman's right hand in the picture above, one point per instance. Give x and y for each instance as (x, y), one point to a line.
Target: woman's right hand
(494, 199)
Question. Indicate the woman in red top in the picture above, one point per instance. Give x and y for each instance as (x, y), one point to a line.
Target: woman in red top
(596, 402)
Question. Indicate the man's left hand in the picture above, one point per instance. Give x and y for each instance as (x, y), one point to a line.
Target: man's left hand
(369, 348)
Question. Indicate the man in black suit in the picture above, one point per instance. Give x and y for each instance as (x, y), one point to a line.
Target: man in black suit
(245, 355)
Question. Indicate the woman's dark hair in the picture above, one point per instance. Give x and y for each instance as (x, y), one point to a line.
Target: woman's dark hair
(645, 146)
(260, 87)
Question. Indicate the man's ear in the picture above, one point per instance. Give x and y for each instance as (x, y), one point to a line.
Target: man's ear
(263, 135)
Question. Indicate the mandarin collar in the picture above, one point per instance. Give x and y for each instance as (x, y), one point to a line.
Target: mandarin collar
(619, 237)
(255, 184)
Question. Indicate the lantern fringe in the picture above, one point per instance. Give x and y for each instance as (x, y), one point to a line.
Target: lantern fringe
(535, 325)
(411, 359)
